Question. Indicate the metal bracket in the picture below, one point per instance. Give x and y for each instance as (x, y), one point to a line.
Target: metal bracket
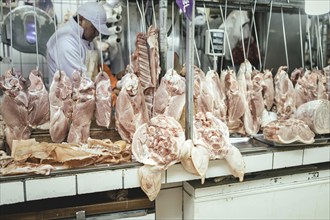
(80, 215)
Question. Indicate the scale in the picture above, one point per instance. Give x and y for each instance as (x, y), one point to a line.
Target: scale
(214, 44)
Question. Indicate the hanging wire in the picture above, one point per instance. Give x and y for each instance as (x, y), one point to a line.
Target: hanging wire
(301, 42)
(309, 43)
(208, 28)
(252, 23)
(173, 34)
(36, 30)
(257, 41)
(154, 12)
(267, 37)
(320, 40)
(197, 54)
(142, 17)
(242, 34)
(79, 39)
(101, 52)
(284, 37)
(56, 45)
(129, 35)
(226, 35)
(222, 20)
(11, 39)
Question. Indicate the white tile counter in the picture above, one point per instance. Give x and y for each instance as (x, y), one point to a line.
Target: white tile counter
(104, 178)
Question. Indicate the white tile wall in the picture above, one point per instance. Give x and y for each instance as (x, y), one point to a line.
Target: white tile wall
(11, 192)
(99, 181)
(284, 159)
(50, 187)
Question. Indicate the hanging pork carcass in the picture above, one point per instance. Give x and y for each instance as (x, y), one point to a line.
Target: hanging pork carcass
(39, 112)
(285, 98)
(14, 107)
(83, 97)
(131, 109)
(103, 90)
(60, 99)
(170, 95)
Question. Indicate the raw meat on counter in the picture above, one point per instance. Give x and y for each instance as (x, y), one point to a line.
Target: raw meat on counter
(212, 133)
(103, 99)
(316, 114)
(38, 106)
(156, 144)
(131, 110)
(288, 131)
(15, 168)
(83, 97)
(170, 95)
(60, 99)
(14, 107)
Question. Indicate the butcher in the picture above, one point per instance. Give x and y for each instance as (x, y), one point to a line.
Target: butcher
(68, 46)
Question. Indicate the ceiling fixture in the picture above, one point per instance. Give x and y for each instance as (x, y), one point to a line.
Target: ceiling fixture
(317, 7)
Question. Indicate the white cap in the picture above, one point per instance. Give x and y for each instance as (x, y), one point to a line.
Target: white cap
(95, 13)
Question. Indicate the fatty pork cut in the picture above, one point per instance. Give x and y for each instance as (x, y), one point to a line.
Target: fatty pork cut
(60, 100)
(316, 114)
(103, 91)
(14, 107)
(235, 104)
(83, 108)
(131, 110)
(156, 144)
(219, 108)
(285, 99)
(268, 89)
(215, 135)
(170, 95)
(288, 131)
(38, 106)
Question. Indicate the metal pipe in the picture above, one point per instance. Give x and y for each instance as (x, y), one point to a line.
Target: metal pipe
(189, 107)
(163, 36)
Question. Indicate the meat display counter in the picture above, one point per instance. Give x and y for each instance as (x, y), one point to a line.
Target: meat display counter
(69, 182)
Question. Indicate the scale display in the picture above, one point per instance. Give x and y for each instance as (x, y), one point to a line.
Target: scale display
(215, 37)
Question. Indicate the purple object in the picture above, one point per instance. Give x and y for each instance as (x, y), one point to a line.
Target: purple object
(186, 6)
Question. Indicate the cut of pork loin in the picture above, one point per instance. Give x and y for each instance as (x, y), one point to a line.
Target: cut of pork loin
(103, 91)
(316, 114)
(170, 95)
(14, 107)
(39, 112)
(83, 108)
(288, 131)
(60, 100)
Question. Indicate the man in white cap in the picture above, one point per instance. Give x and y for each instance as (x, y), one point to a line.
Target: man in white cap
(67, 47)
